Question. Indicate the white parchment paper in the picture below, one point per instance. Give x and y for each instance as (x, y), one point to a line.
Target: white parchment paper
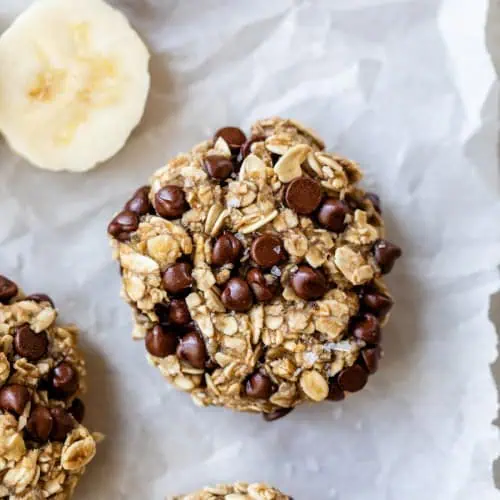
(403, 86)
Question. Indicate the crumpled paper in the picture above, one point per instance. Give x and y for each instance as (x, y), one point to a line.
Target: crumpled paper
(403, 86)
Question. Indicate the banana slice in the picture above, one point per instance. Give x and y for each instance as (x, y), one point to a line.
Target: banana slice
(74, 81)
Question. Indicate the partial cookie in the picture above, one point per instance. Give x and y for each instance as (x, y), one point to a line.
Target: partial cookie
(254, 269)
(73, 85)
(44, 447)
(238, 491)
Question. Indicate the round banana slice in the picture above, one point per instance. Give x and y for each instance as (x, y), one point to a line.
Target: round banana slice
(74, 81)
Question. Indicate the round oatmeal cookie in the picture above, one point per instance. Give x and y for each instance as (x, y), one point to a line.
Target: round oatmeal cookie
(238, 491)
(44, 447)
(254, 269)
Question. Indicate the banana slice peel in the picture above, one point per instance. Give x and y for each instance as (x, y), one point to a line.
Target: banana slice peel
(74, 81)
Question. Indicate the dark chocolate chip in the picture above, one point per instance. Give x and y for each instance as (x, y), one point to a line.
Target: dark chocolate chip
(63, 424)
(276, 414)
(177, 278)
(386, 254)
(65, 380)
(77, 409)
(367, 328)
(335, 392)
(352, 379)
(303, 195)
(162, 310)
(267, 250)
(123, 225)
(178, 312)
(160, 342)
(40, 424)
(189, 327)
(8, 290)
(370, 357)
(237, 295)
(259, 386)
(192, 349)
(246, 148)
(227, 249)
(30, 345)
(309, 283)
(218, 167)
(234, 136)
(13, 398)
(375, 199)
(139, 203)
(40, 297)
(377, 302)
(211, 365)
(332, 215)
(170, 202)
(262, 290)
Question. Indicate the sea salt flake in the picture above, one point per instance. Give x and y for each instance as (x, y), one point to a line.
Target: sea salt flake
(276, 271)
(310, 358)
(343, 345)
(233, 203)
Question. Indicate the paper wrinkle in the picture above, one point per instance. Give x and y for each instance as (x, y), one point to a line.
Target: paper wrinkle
(401, 87)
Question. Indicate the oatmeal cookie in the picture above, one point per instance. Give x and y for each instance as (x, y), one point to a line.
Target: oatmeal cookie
(254, 270)
(44, 447)
(238, 491)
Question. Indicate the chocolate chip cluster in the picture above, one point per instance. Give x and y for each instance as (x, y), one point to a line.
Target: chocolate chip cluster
(41, 378)
(254, 269)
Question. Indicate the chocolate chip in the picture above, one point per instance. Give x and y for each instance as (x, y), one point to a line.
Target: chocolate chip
(162, 310)
(370, 357)
(246, 148)
(30, 345)
(63, 424)
(309, 283)
(139, 203)
(191, 326)
(178, 312)
(160, 342)
(192, 349)
(267, 250)
(352, 379)
(276, 414)
(332, 215)
(259, 386)
(386, 254)
(366, 328)
(8, 290)
(218, 167)
(335, 393)
(375, 199)
(377, 302)
(237, 295)
(262, 290)
(234, 137)
(40, 297)
(40, 424)
(77, 409)
(170, 202)
(227, 249)
(211, 365)
(13, 398)
(64, 380)
(123, 225)
(177, 278)
(303, 195)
